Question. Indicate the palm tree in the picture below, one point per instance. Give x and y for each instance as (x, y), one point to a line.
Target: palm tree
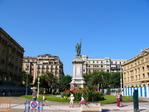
(49, 82)
(52, 81)
(99, 79)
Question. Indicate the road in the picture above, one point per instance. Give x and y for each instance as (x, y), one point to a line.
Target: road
(17, 105)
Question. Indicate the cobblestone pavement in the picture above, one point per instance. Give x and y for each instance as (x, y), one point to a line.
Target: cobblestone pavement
(18, 106)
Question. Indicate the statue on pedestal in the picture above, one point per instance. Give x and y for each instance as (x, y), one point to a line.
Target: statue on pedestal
(78, 49)
(77, 80)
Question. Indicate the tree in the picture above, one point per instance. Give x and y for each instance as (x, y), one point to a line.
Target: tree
(115, 80)
(103, 80)
(49, 82)
(26, 78)
(98, 79)
(87, 78)
(64, 82)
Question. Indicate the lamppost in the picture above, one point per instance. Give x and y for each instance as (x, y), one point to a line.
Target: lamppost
(38, 87)
(26, 83)
(121, 83)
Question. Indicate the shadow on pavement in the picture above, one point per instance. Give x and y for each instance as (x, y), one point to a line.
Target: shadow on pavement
(105, 110)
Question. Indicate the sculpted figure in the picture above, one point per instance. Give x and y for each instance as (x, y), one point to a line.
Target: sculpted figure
(78, 49)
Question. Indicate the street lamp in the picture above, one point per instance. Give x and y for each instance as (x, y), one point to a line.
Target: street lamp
(38, 87)
(121, 83)
(26, 83)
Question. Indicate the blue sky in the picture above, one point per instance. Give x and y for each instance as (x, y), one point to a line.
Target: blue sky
(118, 29)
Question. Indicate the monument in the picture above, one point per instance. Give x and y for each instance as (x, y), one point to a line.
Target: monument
(77, 80)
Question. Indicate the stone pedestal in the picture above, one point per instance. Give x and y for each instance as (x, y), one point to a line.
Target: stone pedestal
(77, 80)
(91, 108)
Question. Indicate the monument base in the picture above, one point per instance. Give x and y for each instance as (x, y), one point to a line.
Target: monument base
(91, 108)
(77, 83)
(77, 80)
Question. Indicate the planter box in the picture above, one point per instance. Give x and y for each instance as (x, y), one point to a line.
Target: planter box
(91, 108)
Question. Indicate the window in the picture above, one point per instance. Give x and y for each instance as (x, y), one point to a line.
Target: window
(142, 68)
(136, 77)
(143, 75)
(135, 70)
(142, 60)
(148, 67)
(132, 78)
(138, 69)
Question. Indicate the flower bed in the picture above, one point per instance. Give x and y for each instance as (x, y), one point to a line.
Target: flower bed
(89, 95)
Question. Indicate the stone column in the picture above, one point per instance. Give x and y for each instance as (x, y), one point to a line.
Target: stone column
(77, 80)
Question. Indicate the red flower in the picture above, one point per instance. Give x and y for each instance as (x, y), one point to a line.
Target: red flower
(97, 91)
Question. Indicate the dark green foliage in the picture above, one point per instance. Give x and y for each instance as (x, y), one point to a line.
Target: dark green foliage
(88, 93)
(87, 78)
(103, 80)
(115, 80)
(26, 78)
(64, 82)
(48, 81)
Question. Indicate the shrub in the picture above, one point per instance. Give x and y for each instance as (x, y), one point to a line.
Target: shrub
(66, 94)
(88, 93)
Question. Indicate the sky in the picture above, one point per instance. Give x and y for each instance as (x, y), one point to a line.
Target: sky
(118, 29)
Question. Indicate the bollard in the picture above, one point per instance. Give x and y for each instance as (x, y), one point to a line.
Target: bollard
(135, 101)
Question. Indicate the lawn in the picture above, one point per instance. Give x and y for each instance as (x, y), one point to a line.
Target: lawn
(57, 98)
(112, 99)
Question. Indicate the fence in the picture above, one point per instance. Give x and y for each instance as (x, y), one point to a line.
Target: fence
(33, 106)
(5, 105)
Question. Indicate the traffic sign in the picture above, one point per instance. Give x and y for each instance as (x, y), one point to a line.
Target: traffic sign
(34, 105)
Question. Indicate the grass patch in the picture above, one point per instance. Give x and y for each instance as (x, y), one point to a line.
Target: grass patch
(112, 99)
(57, 98)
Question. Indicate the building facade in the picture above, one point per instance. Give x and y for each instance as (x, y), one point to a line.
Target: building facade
(136, 74)
(11, 57)
(95, 64)
(41, 64)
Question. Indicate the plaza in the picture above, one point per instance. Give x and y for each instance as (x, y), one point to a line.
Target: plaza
(18, 106)
(37, 45)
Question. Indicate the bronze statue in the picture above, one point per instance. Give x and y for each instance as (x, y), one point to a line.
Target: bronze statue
(78, 49)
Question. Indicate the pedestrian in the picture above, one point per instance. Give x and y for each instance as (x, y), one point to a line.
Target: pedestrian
(118, 100)
(4, 93)
(121, 99)
(82, 102)
(71, 100)
(34, 95)
(43, 98)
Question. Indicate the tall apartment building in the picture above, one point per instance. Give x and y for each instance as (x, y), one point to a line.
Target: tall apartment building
(136, 74)
(42, 64)
(95, 64)
(11, 57)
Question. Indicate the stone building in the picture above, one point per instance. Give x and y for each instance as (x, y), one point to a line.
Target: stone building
(11, 57)
(95, 64)
(42, 64)
(136, 74)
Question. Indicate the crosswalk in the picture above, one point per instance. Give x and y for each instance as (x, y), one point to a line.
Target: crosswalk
(128, 107)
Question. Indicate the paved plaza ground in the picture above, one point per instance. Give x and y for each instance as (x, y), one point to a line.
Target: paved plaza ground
(18, 106)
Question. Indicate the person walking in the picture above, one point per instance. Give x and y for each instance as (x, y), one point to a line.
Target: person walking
(82, 102)
(34, 95)
(121, 99)
(71, 100)
(118, 100)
